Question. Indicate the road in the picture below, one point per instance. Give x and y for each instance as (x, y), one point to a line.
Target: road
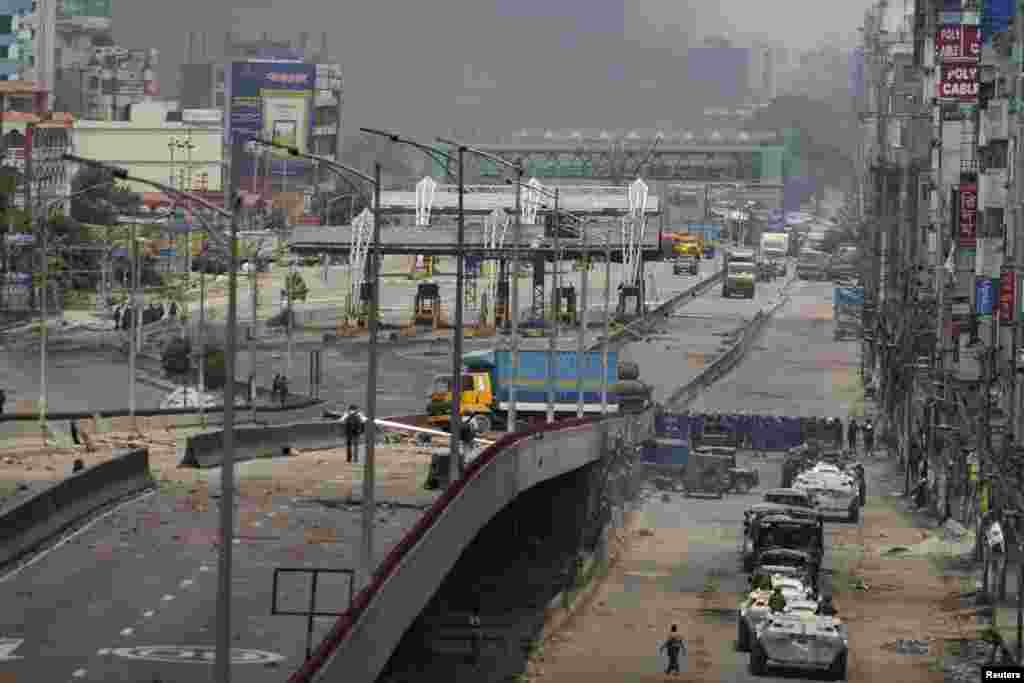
(143, 576)
(686, 569)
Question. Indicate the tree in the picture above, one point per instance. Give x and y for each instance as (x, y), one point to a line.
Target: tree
(215, 369)
(104, 205)
(177, 356)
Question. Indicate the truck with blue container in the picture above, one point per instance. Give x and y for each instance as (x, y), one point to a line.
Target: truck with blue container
(487, 378)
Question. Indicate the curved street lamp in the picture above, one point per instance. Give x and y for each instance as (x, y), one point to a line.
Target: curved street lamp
(369, 471)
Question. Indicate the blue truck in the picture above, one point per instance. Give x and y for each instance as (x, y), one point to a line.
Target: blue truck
(487, 377)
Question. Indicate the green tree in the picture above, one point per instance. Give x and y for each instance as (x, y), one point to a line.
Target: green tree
(215, 370)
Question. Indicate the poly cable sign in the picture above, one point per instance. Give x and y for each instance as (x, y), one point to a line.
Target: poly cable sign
(957, 43)
(958, 82)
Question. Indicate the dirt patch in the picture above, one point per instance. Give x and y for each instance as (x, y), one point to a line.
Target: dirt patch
(401, 469)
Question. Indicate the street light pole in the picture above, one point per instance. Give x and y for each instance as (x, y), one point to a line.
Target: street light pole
(132, 335)
(604, 337)
(553, 337)
(222, 663)
(455, 422)
(514, 295)
(369, 493)
(581, 339)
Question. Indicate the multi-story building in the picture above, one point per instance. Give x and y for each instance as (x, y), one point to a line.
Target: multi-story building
(203, 81)
(943, 163)
(13, 36)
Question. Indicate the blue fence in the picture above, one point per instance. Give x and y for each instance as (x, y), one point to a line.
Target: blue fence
(762, 432)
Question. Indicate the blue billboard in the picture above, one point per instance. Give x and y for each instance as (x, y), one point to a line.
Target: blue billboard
(984, 296)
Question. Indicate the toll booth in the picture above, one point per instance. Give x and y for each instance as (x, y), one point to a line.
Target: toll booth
(565, 306)
(427, 304)
(501, 306)
(630, 299)
(365, 294)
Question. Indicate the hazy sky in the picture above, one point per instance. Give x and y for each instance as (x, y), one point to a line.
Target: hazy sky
(499, 65)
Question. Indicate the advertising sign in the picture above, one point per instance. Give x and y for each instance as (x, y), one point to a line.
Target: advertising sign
(968, 222)
(984, 296)
(1007, 295)
(264, 93)
(957, 43)
(958, 82)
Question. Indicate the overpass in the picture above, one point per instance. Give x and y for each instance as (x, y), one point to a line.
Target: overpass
(616, 157)
(359, 645)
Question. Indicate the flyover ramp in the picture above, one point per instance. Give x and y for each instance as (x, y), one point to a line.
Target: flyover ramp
(361, 642)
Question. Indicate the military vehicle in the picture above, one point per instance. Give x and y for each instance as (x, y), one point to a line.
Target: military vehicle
(799, 641)
(772, 532)
(754, 609)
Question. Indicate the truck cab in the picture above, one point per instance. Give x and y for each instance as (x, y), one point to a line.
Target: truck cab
(688, 244)
(774, 250)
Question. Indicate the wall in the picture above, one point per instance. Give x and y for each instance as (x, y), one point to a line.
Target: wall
(141, 147)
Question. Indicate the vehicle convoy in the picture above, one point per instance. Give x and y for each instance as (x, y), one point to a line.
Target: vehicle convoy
(674, 465)
(754, 609)
(740, 273)
(812, 265)
(774, 250)
(798, 641)
(790, 497)
(486, 381)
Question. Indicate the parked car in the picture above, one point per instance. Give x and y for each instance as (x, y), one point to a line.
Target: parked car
(686, 265)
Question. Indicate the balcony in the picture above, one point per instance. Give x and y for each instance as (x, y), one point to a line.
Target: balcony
(995, 122)
(992, 188)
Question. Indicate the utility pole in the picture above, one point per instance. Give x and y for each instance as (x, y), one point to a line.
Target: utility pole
(133, 337)
(607, 317)
(553, 338)
(455, 421)
(581, 347)
(514, 296)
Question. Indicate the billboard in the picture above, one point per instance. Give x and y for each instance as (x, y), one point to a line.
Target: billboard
(260, 94)
(957, 43)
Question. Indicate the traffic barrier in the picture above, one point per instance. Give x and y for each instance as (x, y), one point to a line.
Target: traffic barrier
(302, 403)
(206, 449)
(46, 514)
(659, 314)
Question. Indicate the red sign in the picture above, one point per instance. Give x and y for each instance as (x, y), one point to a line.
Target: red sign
(958, 82)
(309, 220)
(1007, 295)
(957, 43)
(968, 215)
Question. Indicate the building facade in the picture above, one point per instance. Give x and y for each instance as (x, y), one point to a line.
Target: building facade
(158, 145)
(941, 167)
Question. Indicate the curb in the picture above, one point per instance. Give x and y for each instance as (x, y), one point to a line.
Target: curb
(46, 514)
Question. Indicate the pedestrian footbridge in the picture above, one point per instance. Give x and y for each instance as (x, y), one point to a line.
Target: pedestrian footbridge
(361, 642)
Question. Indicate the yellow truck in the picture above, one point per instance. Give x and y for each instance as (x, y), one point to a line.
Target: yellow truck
(688, 244)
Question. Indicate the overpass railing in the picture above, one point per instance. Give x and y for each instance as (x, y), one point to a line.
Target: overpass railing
(403, 583)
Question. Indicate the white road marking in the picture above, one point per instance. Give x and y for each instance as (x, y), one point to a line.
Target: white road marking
(204, 568)
(103, 651)
(186, 583)
(127, 631)
(148, 613)
(63, 541)
(79, 673)
(167, 598)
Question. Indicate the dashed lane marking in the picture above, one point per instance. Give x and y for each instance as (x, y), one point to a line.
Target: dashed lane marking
(167, 598)
(127, 631)
(78, 673)
(14, 572)
(148, 613)
(186, 583)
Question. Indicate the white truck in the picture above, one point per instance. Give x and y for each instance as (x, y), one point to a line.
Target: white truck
(774, 250)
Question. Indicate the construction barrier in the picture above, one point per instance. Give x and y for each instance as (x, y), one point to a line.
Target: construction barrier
(761, 432)
(659, 314)
(46, 514)
(206, 449)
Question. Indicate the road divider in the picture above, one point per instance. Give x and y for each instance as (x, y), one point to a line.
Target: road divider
(45, 515)
(732, 357)
(659, 315)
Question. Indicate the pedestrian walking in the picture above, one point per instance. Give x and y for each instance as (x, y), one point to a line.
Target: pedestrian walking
(283, 390)
(869, 438)
(476, 637)
(354, 423)
(3, 399)
(851, 434)
(74, 433)
(674, 647)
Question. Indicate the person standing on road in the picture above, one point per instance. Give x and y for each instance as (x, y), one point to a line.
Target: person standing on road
(3, 399)
(477, 639)
(674, 647)
(354, 425)
(869, 438)
(851, 434)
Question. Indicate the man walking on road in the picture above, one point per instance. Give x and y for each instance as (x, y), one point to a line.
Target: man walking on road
(674, 646)
(353, 422)
(869, 438)
(3, 400)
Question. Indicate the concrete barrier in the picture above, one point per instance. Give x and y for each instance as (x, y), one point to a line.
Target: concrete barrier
(46, 514)
(206, 449)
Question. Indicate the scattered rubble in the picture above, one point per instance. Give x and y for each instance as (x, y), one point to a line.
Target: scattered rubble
(908, 646)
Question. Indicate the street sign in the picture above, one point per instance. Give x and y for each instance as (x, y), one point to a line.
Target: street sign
(984, 296)
(21, 238)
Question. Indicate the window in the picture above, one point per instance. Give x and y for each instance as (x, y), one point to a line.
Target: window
(220, 99)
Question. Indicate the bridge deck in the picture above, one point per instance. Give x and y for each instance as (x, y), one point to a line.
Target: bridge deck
(485, 199)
